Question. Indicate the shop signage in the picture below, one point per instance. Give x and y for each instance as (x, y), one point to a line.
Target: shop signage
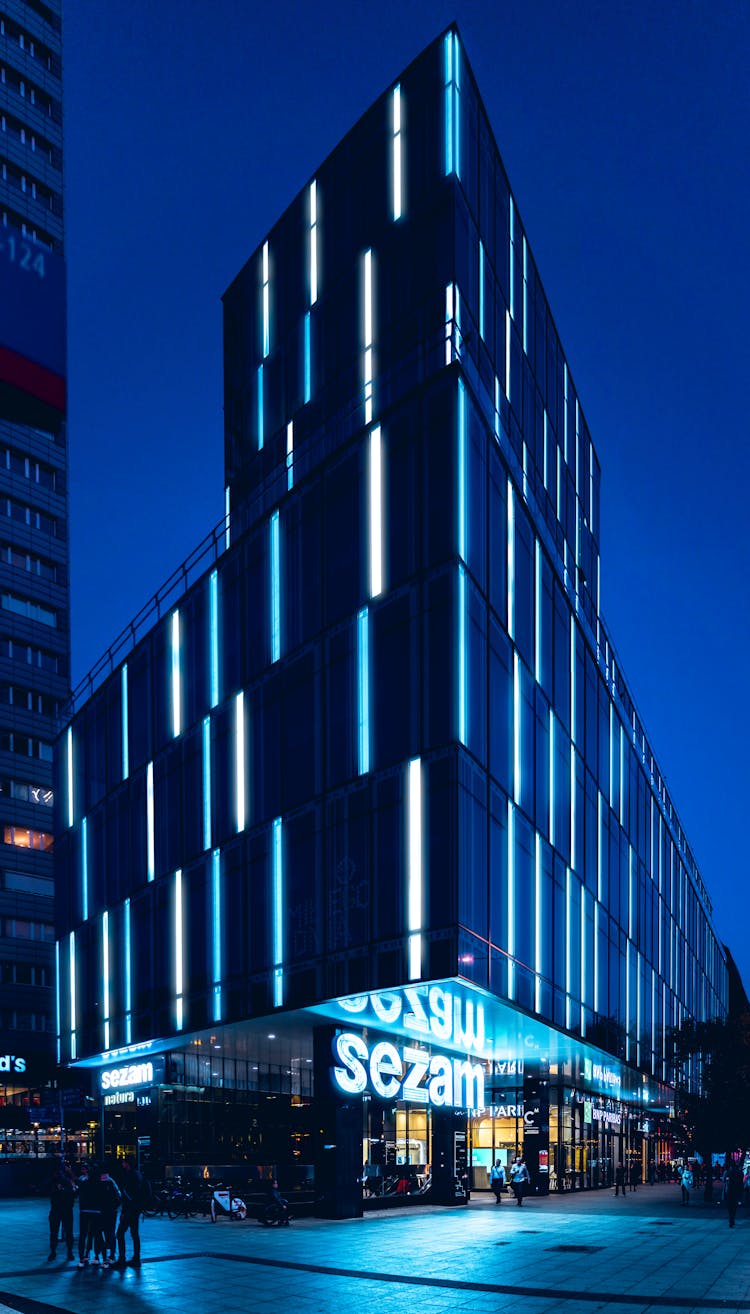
(12, 1063)
(404, 1073)
(132, 1074)
(601, 1073)
(505, 1111)
(431, 1012)
(605, 1115)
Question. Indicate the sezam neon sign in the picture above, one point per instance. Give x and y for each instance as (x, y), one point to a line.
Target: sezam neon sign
(402, 1072)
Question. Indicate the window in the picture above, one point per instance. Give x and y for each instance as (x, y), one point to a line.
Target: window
(22, 882)
(23, 838)
(31, 610)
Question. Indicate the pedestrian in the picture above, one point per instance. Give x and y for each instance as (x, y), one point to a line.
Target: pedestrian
(133, 1194)
(732, 1189)
(746, 1184)
(497, 1180)
(620, 1179)
(519, 1176)
(109, 1204)
(89, 1217)
(634, 1175)
(651, 1173)
(686, 1183)
(61, 1197)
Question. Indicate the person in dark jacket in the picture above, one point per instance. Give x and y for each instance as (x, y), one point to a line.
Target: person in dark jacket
(109, 1203)
(132, 1191)
(61, 1196)
(620, 1179)
(90, 1219)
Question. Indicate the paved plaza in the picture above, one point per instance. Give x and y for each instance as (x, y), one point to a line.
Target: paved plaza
(580, 1253)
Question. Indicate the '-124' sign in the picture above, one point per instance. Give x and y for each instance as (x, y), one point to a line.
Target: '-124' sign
(403, 1072)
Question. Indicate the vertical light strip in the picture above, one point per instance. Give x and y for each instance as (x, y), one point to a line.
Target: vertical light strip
(497, 407)
(630, 892)
(583, 960)
(461, 481)
(363, 690)
(290, 455)
(573, 691)
(552, 778)
(457, 105)
(448, 84)
(261, 409)
(511, 899)
(568, 946)
(591, 487)
(176, 675)
(538, 922)
(573, 855)
(213, 625)
(596, 956)
(278, 914)
(266, 303)
(239, 758)
(565, 410)
(511, 254)
(367, 335)
(599, 844)
(516, 729)
(638, 1032)
(313, 242)
(507, 355)
(376, 512)
(227, 517)
(72, 989)
(308, 360)
(69, 756)
(206, 782)
(462, 674)
(449, 311)
(415, 873)
(275, 560)
(216, 924)
(578, 450)
(150, 846)
(545, 448)
(105, 975)
(537, 612)
(612, 754)
(58, 1027)
(84, 869)
(124, 721)
(128, 973)
(525, 299)
(397, 164)
(481, 289)
(178, 951)
(511, 563)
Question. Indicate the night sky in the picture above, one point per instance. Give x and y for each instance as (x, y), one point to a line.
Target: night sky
(624, 127)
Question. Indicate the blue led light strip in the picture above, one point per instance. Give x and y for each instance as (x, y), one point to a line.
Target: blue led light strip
(216, 923)
(461, 480)
(84, 870)
(462, 673)
(376, 512)
(275, 559)
(239, 758)
(261, 409)
(124, 720)
(213, 623)
(363, 690)
(150, 848)
(179, 982)
(72, 991)
(58, 1031)
(206, 782)
(308, 360)
(397, 162)
(105, 975)
(278, 914)
(367, 334)
(415, 878)
(176, 676)
(128, 972)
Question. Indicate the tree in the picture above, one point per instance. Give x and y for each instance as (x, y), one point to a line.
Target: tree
(712, 1083)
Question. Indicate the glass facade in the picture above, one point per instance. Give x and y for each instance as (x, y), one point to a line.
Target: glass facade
(34, 603)
(383, 738)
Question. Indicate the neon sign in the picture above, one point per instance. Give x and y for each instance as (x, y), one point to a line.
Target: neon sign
(432, 1013)
(133, 1074)
(405, 1073)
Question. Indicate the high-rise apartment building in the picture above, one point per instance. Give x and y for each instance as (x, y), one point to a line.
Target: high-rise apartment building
(34, 613)
(365, 860)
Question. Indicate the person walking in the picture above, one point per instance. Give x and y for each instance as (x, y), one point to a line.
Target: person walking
(497, 1180)
(109, 1203)
(634, 1175)
(620, 1179)
(732, 1189)
(686, 1183)
(133, 1193)
(89, 1217)
(61, 1197)
(519, 1176)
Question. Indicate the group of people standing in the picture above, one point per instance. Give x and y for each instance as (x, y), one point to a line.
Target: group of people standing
(101, 1241)
(519, 1178)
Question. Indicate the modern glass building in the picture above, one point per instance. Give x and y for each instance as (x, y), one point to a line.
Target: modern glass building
(365, 862)
(34, 611)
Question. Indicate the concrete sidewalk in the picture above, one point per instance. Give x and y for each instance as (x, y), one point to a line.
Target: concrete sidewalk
(587, 1251)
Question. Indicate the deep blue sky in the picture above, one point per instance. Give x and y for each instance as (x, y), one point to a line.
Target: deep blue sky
(624, 127)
